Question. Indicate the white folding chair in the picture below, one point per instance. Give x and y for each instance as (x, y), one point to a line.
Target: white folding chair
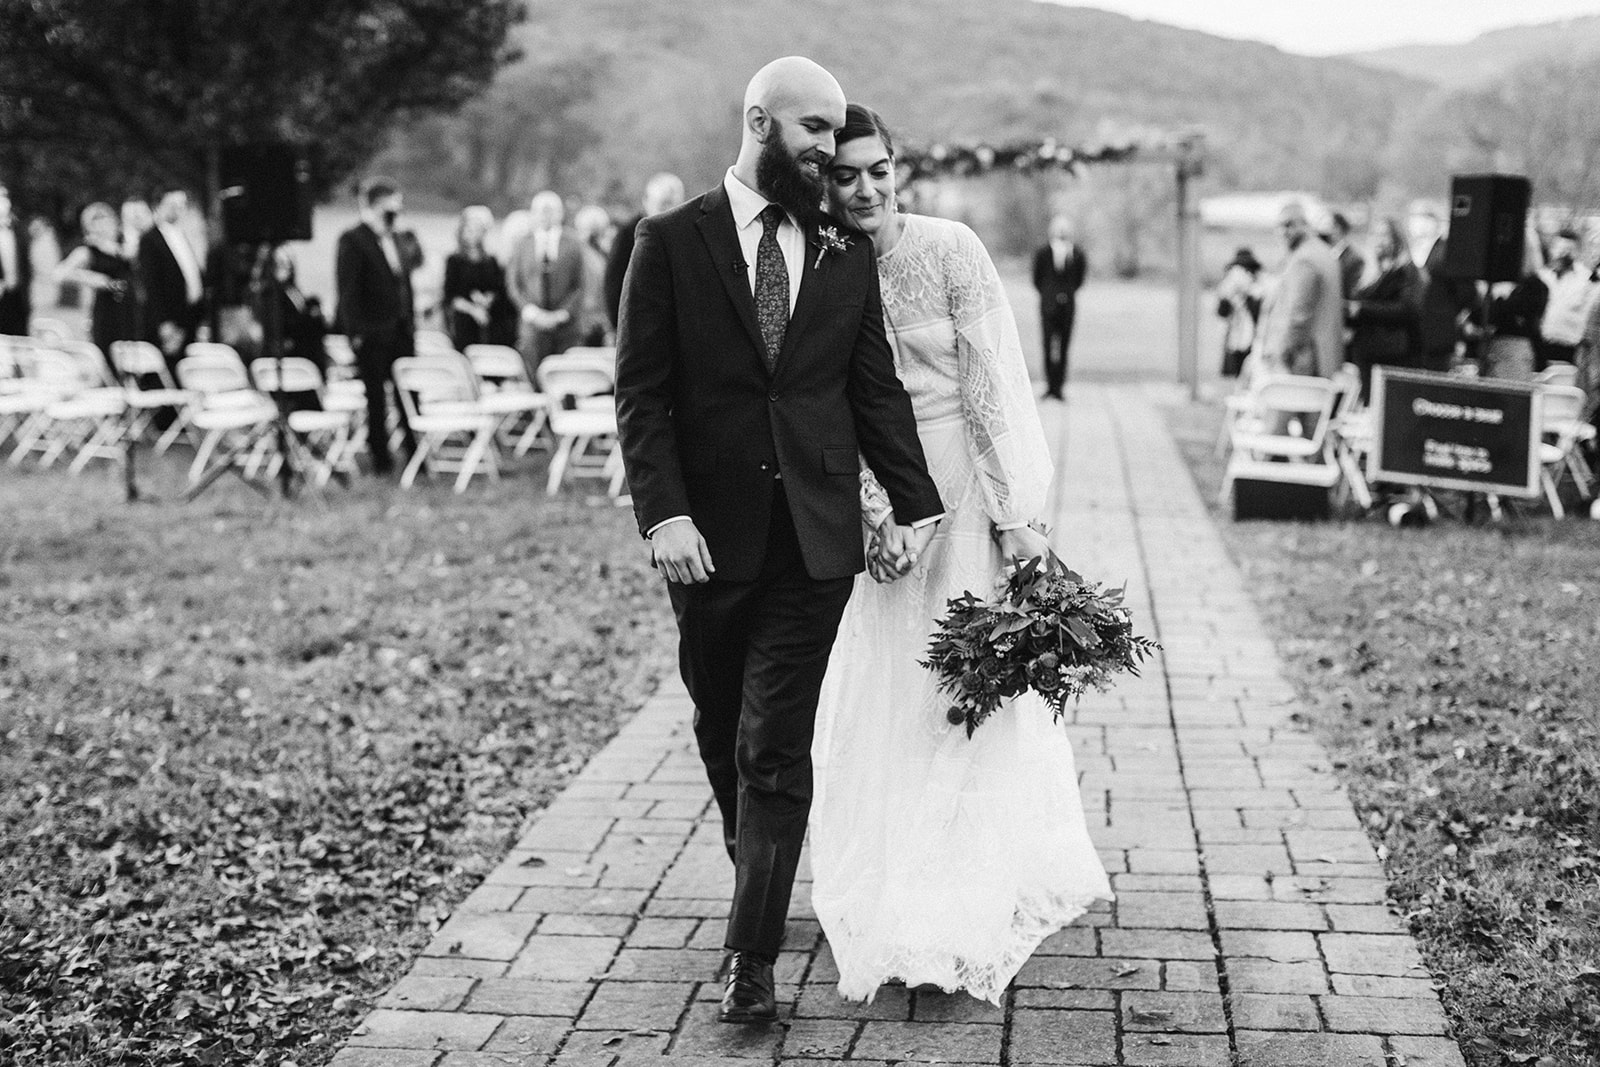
(323, 438)
(505, 390)
(147, 386)
(1563, 429)
(433, 342)
(452, 432)
(1290, 442)
(53, 377)
(225, 408)
(53, 331)
(582, 419)
(1557, 373)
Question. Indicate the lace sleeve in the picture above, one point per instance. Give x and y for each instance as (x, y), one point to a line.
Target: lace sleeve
(1003, 428)
(875, 505)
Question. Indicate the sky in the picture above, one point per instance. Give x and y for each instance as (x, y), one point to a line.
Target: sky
(1325, 27)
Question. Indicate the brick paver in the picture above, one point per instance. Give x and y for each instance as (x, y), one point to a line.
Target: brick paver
(1250, 925)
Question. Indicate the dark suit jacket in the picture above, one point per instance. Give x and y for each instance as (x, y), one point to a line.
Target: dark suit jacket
(16, 302)
(705, 428)
(372, 299)
(525, 276)
(166, 297)
(1058, 289)
(1443, 298)
(1351, 264)
(617, 267)
(1385, 324)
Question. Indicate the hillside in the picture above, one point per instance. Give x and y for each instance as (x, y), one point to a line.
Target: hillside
(662, 83)
(1489, 56)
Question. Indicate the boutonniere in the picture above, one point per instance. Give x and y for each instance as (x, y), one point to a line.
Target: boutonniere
(828, 239)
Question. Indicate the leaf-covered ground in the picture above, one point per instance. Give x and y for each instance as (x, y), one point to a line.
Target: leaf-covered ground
(1454, 672)
(252, 753)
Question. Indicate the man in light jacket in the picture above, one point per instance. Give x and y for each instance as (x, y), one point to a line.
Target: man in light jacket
(1302, 327)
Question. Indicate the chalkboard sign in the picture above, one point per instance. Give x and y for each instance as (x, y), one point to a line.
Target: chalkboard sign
(1451, 432)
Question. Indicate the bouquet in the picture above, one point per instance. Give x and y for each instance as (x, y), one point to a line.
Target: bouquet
(1046, 629)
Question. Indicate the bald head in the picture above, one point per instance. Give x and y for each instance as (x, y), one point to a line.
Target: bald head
(781, 83)
(1292, 222)
(792, 108)
(661, 192)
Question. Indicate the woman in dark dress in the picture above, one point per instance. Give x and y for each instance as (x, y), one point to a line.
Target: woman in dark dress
(98, 265)
(1515, 311)
(1385, 314)
(477, 307)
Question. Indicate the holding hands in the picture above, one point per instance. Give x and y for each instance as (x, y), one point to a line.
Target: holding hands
(894, 550)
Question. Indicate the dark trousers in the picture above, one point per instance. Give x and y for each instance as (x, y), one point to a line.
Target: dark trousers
(753, 655)
(1057, 340)
(375, 354)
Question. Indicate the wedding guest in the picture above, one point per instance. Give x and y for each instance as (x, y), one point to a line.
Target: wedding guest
(477, 309)
(137, 220)
(1239, 304)
(16, 275)
(1447, 303)
(1302, 323)
(1058, 272)
(661, 192)
(1351, 263)
(174, 283)
(1510, 348)
(593, 228)
(545, 280)
(1385, 314)
(1572, 290)
(376, 309)
(99, 267)
(304, 326)
(230, 299)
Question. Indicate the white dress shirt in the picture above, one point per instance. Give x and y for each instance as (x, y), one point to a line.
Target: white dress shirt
(747, 205)
(183, 252)
(546, 245)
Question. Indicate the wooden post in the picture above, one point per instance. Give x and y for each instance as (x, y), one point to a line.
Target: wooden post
(1190, 149)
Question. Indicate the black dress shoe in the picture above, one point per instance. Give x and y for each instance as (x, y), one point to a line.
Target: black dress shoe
(749, 997)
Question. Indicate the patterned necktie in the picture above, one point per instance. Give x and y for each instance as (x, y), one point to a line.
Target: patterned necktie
(772, 286)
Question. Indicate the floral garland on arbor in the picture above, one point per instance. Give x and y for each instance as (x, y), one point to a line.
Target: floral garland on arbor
(1024, 157)
(942, 160)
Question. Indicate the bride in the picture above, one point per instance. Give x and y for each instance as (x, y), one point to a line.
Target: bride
(940, 859)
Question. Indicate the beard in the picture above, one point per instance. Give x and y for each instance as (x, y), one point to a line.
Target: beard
(782, 179)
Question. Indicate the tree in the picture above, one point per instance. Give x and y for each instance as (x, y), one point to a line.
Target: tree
(100, 97)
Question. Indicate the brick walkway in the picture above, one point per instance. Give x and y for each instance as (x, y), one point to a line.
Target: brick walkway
(1249, 927)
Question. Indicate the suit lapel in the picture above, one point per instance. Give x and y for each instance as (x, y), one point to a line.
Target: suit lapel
(727, 261)
(814, 263)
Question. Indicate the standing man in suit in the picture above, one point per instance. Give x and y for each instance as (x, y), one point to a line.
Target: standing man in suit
(174, 284)
(375, 307)
(1302, 326)
(16, 274)
(1058, 271)
(661, 192)
(1351, 262)
(752, 370)
(545, 280)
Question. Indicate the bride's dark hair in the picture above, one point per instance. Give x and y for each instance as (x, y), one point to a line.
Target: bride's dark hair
(861, 121)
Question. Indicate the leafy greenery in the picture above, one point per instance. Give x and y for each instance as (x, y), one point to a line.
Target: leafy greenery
(251, 754)
(1451, 671)
(1047, 629)
(99, 96)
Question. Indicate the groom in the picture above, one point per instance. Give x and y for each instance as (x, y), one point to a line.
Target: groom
(752, 367)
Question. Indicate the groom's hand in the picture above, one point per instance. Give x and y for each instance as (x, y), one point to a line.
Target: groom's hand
(681, 553)
(901, 547)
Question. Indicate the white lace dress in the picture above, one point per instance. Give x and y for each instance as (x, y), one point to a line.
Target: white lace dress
(937, 858)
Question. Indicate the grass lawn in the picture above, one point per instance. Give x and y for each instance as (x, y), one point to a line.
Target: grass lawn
(251, 753)
(1454, 674)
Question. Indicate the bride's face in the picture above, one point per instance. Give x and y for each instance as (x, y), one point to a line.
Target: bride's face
(861, 184)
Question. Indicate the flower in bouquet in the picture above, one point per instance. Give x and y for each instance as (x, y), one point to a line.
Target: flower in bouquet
(1046, 629)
